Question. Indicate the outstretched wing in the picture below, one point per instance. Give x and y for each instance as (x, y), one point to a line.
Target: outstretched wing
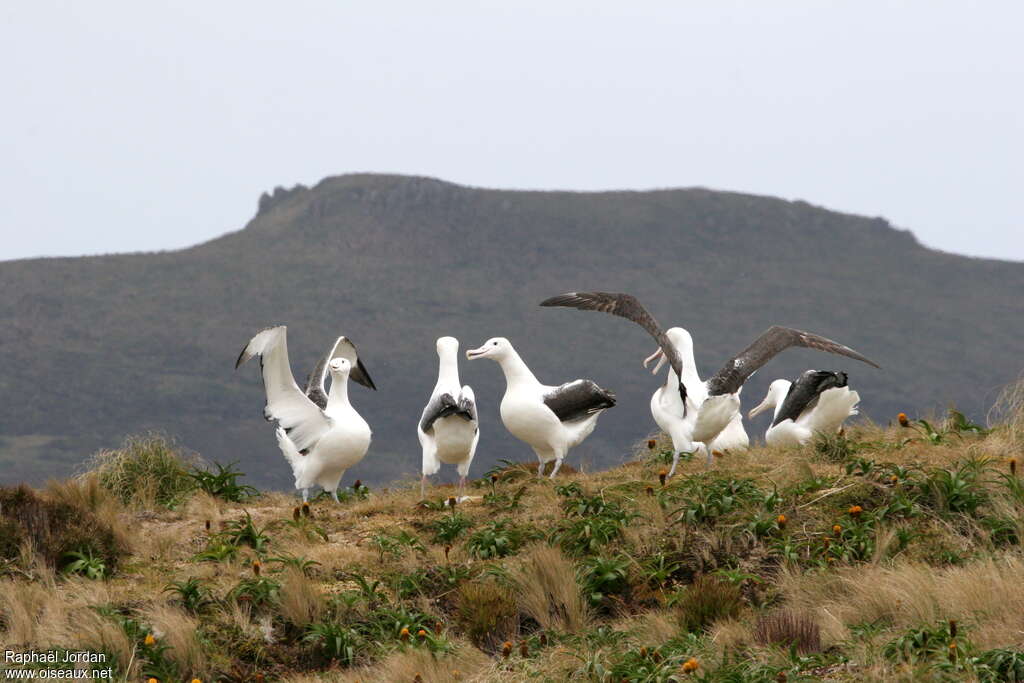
(578, 399)
(316, 387)
(300, 417)
(803, 394)
(772, 342)
(625, 306)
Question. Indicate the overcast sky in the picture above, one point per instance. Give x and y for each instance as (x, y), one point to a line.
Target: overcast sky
(151, 125)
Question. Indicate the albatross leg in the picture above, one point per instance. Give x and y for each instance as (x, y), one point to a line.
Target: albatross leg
(423, 486)
(675, 463)
(462, 486)
(554, 470)
(334, 495)
(305, 495)
(711, 458)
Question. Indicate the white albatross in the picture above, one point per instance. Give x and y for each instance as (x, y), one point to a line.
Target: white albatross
(448, 429)
(667, 405)
(818, 402)
(320, 434)
(551, 420)
(717, 401)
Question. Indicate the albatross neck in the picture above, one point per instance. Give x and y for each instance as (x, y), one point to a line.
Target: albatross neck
(337, 399)
(690, 376)
(516, 372)
(447, 370)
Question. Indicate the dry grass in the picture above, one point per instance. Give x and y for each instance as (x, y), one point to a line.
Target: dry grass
(301, 599)
(547, 590)
(788, 628)
(179, 630)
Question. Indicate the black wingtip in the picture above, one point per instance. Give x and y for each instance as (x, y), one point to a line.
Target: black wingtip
(242, 357)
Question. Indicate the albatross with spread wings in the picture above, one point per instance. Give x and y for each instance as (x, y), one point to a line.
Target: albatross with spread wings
(319, 432)
(551, 420)
(717, 402)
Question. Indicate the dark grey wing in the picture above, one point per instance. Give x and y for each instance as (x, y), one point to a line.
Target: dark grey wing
(578, 399)
(803, 394)
(444, 405)
(343, 347)
(772, 342)
(628, 307)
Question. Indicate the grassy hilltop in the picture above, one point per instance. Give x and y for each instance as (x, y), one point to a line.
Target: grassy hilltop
(884, 553)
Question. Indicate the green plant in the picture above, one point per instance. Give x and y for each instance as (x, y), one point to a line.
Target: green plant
(604, 576)
(835, 447)
(396, 544)
(223, 483)
(449, 527)
(335, 641)
(191, 593)
(85, 564)
(924, 642)
(257, 591)
(217, 550)
(245, 532)
(958, 490)
(496, 539)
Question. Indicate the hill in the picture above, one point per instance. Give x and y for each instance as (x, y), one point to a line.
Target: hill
(98, 347)
(888, 554)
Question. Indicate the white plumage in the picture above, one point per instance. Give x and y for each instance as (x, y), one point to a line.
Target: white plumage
(825, 415)
(320, 443)
(550, 419)
(449, 428)
(680, 425)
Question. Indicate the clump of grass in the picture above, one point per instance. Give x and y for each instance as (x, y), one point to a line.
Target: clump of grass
(547, 590)
(145, 471)
(707, 600)
(223, 483)
(58, 531)
(487, 614)
(789, 629)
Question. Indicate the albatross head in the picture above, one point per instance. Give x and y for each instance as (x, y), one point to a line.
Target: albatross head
(680, 339)
(446, 345)
(340, 368)
(495, 348)
(777, 391)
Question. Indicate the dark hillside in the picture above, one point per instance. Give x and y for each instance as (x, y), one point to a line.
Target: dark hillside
(97, 347)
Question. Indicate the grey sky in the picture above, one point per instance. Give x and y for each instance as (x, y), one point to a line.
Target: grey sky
(147, 125)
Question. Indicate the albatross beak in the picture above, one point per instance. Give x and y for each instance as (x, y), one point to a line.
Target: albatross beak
(472, 354)
(765, 405)
(660, 355)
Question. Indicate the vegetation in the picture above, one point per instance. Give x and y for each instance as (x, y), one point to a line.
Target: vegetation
(883, 555)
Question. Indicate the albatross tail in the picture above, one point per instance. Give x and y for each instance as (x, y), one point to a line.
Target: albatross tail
(291, 453)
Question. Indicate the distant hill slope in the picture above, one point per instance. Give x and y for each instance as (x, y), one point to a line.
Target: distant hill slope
(98, 347)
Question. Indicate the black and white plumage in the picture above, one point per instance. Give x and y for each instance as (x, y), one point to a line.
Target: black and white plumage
(817, 402)
(316, 382)
(719, 403)
(550, 419)
(448, 429)
(319, 442)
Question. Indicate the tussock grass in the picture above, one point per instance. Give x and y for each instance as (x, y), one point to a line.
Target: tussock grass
(547, 590)
(146, 471)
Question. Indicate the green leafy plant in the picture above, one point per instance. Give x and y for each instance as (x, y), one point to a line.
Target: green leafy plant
(496, 539)
(396, 544)
(223, 483)
(191, 593)
(85, 564)
(335, 640)
(450, 527)
(602, 577)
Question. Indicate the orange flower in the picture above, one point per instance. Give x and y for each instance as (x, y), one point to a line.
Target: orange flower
(649, 490)
(902, 418)
(506, 649)
(855, 511)
(152, 680)
(296, 513)
(651, 443)
(836, 529)
(781, 520)
(524, 648)
(306, 511)
(690, 665)
(452, 501)
(404, 635)
(196, 680)
(421, 634)
(894, 480)
(662, 476)
(150, 640)
(256, 566)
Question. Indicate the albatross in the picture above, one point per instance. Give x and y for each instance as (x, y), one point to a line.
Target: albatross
(717, 403)
(550, 419)
(448, 429)
(669, 410)
(819, 401)
(319, 432)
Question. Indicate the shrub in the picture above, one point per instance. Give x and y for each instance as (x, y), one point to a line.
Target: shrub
(56, 529)
(223, 483)
(146, 470)
(497, 539)
(335, 641)
(706, 600)
(487, 614)
(789, 629)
